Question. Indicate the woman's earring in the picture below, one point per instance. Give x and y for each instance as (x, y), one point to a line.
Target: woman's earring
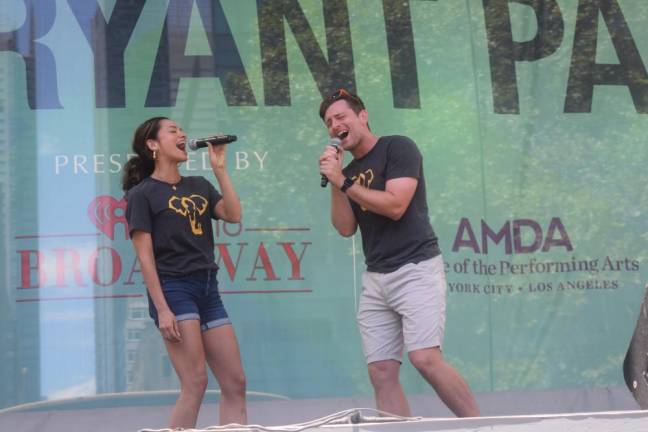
(154, 154)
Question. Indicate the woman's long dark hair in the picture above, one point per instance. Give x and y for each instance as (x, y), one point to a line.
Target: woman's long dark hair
(141, 166)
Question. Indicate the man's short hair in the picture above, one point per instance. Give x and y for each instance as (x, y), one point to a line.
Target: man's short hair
(353, 100)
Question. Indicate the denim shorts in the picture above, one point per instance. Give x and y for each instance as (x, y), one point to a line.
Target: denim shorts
(193, 297)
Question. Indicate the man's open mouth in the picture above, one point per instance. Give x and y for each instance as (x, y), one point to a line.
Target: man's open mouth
(343, 134)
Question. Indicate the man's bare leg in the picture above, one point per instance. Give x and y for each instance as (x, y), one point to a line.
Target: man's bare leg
(446, 381)
(390, 396)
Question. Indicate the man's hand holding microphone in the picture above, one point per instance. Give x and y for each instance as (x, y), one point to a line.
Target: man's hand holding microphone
(330, 164)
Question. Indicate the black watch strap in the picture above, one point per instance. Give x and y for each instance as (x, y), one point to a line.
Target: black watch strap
(347, 184)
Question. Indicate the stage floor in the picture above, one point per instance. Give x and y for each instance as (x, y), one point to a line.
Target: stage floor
(594, 410)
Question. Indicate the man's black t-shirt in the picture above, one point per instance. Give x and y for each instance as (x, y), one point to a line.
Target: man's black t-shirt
(178, 217)
(390, 244)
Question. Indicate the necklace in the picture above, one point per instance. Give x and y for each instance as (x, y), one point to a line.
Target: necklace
(172, 184)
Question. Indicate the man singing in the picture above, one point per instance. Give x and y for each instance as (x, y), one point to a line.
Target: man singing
(382, 190)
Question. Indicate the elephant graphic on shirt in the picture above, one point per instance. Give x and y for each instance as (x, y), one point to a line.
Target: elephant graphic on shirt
(364, 179)
(190, 207)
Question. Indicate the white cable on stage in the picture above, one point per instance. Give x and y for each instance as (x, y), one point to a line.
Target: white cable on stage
(353, 420)
(350, 416)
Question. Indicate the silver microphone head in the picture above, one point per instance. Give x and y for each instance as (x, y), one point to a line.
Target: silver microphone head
(335, 142)
(192, 144)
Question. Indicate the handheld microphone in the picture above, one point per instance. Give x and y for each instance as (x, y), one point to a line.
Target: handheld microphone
(335, 143)
(197, 143)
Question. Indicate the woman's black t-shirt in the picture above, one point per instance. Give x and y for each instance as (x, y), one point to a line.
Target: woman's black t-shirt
(178, 217)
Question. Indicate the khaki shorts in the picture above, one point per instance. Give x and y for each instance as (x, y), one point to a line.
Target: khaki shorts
(402, 308)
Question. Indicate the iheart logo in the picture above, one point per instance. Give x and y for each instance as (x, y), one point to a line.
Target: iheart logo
(103, 213)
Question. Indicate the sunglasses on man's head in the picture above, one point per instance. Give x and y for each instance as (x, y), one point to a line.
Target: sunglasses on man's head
(343, 94)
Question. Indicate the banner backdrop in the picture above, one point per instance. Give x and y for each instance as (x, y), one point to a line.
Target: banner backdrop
(530, 116)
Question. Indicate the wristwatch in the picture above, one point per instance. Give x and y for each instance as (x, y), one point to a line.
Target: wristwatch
(347, 184)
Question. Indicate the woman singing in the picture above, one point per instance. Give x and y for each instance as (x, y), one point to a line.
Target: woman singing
(169, 218)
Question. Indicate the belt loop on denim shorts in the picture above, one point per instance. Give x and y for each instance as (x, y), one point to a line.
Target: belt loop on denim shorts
(208, 282)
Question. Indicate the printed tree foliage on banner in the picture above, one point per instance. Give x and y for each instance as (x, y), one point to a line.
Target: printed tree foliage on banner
(530, 117)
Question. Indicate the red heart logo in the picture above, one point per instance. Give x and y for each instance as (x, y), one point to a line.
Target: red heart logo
(103, 213)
